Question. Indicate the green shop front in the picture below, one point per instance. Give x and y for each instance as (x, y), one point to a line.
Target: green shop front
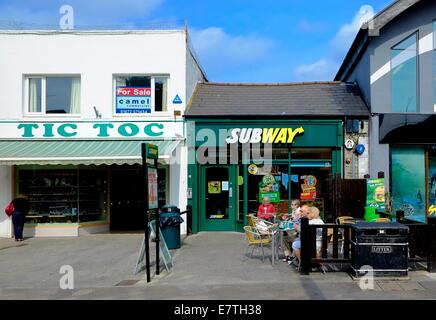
(235, 163)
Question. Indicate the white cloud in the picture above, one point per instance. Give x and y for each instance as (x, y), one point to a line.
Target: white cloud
(219, 51)
(346, 34)
(214, 41)
(317, 71)
(326, 68)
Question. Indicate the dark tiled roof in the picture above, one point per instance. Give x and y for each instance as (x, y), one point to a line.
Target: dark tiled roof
(293, 99)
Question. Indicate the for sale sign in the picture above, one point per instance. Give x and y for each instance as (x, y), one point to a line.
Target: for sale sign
(133, 100)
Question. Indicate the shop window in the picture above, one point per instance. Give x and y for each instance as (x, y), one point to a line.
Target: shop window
(268, 181)
(408, 182)
(434, 65)
(404, 61)
(311, 154)
(141, 94)
(162, 186)
(240, 182)
(64, 196)
(160, 94)
(53, 95)
(432, 182)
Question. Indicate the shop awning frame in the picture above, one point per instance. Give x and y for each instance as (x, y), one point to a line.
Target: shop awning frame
(79, 152)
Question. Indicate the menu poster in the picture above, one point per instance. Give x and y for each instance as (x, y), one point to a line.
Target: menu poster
(308, 188)
(152, 189)
(269, 187)
(375, 193)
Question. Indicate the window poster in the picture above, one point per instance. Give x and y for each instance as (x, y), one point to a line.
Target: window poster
(225, 185)
(308, 187)
(375, 193)
(408, 182)
(432, 186)
(214, 187)
(269, 187)
(133, 100)
(152, 189)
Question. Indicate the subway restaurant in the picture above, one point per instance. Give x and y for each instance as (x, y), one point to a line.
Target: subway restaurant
(247, 142)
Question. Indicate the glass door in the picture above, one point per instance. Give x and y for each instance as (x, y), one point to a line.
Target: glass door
(217, 208)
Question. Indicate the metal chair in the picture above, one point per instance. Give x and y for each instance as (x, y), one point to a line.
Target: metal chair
(381, 220)
(345, 220)
(255, 239)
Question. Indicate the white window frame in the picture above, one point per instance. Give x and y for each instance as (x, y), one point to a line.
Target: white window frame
(152, 100)
(43, 113)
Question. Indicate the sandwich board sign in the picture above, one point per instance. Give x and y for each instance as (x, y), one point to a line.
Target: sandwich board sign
(163, 249)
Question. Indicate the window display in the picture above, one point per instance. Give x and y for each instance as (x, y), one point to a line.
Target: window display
(64, 196)
(408, 182)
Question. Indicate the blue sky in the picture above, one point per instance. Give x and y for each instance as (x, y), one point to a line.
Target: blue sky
(236, 40)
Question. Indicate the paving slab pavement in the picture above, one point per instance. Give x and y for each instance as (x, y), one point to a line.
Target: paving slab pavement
(210, 266)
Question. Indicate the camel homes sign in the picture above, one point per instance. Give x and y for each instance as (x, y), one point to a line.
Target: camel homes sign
(91, 130)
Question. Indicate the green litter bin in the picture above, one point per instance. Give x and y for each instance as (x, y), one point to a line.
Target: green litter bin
(371, 214)
(170, 221)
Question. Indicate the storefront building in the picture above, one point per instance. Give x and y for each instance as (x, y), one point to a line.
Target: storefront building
(393, 61)
(74, 112)
(247, 142)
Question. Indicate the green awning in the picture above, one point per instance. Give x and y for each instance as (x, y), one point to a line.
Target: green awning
(80, 152)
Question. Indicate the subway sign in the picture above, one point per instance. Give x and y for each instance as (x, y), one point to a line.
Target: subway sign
(90, 130)
(264, 135)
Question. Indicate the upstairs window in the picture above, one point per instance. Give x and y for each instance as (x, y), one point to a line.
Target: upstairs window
(404, 60)
(53, 95)
(141, 94)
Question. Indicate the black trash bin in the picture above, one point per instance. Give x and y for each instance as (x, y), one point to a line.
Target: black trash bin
(381, 248)
(170, 221)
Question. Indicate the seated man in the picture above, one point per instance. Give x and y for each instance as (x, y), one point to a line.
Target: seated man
(313, 214)
(266, 210)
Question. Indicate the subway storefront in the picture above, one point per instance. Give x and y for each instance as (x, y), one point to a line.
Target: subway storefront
(235, 163)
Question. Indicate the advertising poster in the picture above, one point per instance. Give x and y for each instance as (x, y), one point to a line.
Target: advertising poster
(269, 187)
(308, 188)
(152, 188)
(431, 186)
(133, 100)
(214, 187)
(375, 193)
(408, 183)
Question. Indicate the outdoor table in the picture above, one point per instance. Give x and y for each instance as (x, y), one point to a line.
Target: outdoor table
(277, 240)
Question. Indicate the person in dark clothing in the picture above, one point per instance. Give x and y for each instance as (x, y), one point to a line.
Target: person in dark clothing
(21, 208)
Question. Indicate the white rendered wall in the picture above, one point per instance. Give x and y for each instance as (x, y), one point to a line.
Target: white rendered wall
(5, 197)
(96, 57)
(178, 181)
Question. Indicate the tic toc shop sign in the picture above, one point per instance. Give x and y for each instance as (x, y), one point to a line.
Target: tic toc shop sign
(90, 130)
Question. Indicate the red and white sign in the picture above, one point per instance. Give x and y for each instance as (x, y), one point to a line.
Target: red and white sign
(133, 92)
